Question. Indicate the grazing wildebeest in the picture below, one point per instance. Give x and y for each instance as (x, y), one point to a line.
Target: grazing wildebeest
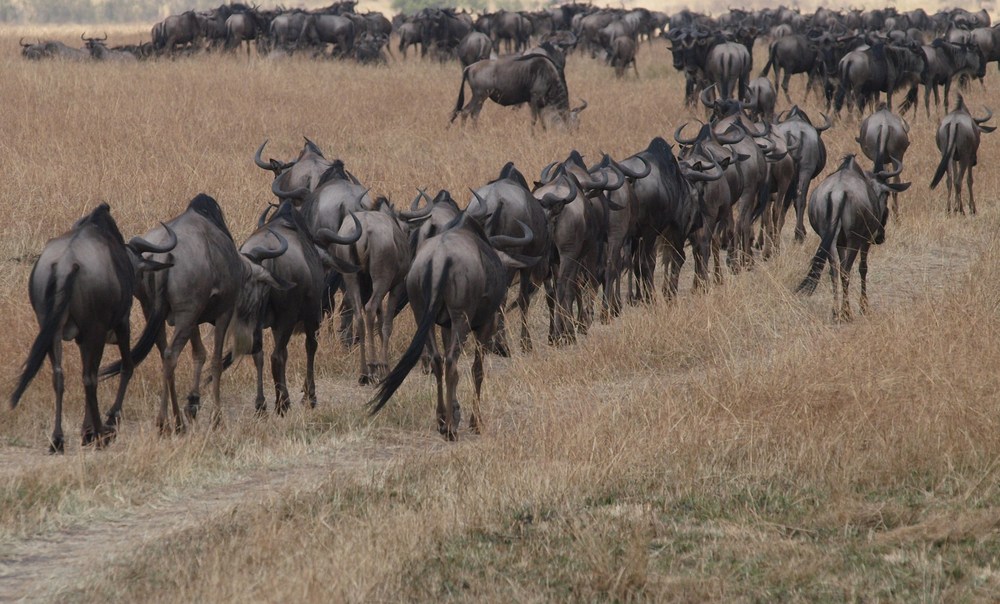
(292, 310)
(458, 281)
(182, 29)
(535, 78)
(848, 211)
(883, 135)
(81, 289)
(210, 282)
(958, 142)
(243, 27)
(623, 49)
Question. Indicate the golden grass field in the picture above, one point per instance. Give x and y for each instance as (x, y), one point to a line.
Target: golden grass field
(732, 446)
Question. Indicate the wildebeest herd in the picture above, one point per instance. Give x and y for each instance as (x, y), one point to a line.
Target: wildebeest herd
(579, 232)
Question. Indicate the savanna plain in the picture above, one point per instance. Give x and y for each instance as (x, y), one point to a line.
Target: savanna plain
(736, 445)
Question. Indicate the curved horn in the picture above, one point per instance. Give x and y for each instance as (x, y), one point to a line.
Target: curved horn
(827, 124)
(82, 36)
(21, 42)
(299, 193)
(105, 37)
(685, 141)
(481, 204)
(261, 253)
(544, 177)
(695, 175)
(609, 164)
(507, 241)
(550, 199)
(581, 107)
(703, 97)
(757, 133)
(260, 162)
(981, 120)
(421, 193)
(897, 168)
(263, 217)
(633, 174)
(730, 137)
(326, 237)
(140, 245)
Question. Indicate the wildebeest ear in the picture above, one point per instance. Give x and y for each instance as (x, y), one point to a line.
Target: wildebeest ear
(150, 266)
(517, 260)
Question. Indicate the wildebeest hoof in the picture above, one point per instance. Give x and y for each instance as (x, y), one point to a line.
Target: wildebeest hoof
(366, 380)
(309, 400)
(193, 405)
(57, 445)
(260, 409)
(112, 420)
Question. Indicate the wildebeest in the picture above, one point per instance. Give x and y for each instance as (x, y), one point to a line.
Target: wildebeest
(176, 30)
(883, 135)
(474, 47)
(864, 73)
(623, 49)
(457, 281)
(848, 211)
(100, 52)
(81, 289)
(761, 99)
(210, 282)
(945, 62)
(535, 78)
(958, 141)
(728, 65)
(292, 310)
(809, 153)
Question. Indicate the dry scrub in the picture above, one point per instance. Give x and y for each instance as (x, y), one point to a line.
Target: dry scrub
(731, 446)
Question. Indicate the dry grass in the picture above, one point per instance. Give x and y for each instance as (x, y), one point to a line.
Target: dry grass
(731, 446)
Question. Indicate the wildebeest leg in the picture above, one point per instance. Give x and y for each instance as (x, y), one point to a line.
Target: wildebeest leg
(453, 349)
(949, 169)
(835, 279)
(476, 419)
(220, 341)
(784, 84)
(673, 260)
(257, 352)
(525, 290)
(387, 321)
(550, 302)
(198, 356)
(170, 354)
(309, 388)
(847, 257)
(437, 368)
(57, 442)
(972, 199)
(352, 292)
(701, 248)
(282, 332)
(371, 370)
(959, 170)
(122, 335)
(863, 271)
(91, 351)
(800, 206)
(947, 89)
(565, 292)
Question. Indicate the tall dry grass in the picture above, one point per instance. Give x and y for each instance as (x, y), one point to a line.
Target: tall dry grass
(736, 445)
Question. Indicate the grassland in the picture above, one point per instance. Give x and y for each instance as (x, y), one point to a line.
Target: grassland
(737, 445)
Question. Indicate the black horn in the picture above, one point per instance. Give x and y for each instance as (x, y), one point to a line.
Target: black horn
(261, 253)
(141, 246)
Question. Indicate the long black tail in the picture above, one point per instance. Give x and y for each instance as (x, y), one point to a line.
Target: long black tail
(949, 152)
(139, 352)
(770, 61)
(54, 311)
(394, 380)
(461, 94)
(808, 285)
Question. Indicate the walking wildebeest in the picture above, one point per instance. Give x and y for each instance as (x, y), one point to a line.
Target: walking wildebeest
(81, 289)
(210, 282)
(958, 141)
(848, 210)
(883, 135)
(458, 281)
(535, 78)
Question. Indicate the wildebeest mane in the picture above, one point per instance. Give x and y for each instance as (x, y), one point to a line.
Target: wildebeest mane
(209, 209)
(101, 218)
(509, 172)
(334, 172)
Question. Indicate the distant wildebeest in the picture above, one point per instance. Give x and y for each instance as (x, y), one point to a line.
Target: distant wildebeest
(809, 153)
(848, 210)
(883, 135)
(761, 99)
(958, 141)
(100, 52)
(81, 289)
(458, 281)
(535, 78)
(176, 30)
(210, 282)
(474, 47)
(623, 49)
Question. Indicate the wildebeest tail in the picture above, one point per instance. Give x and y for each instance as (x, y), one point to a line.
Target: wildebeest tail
(946, 155)
(394, 380)
(154, 327)
(808, 285)
(770, 61)
(56, 302)
(880, 143)
(461, 94)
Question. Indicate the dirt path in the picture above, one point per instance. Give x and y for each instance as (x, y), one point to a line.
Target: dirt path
(40, 567)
